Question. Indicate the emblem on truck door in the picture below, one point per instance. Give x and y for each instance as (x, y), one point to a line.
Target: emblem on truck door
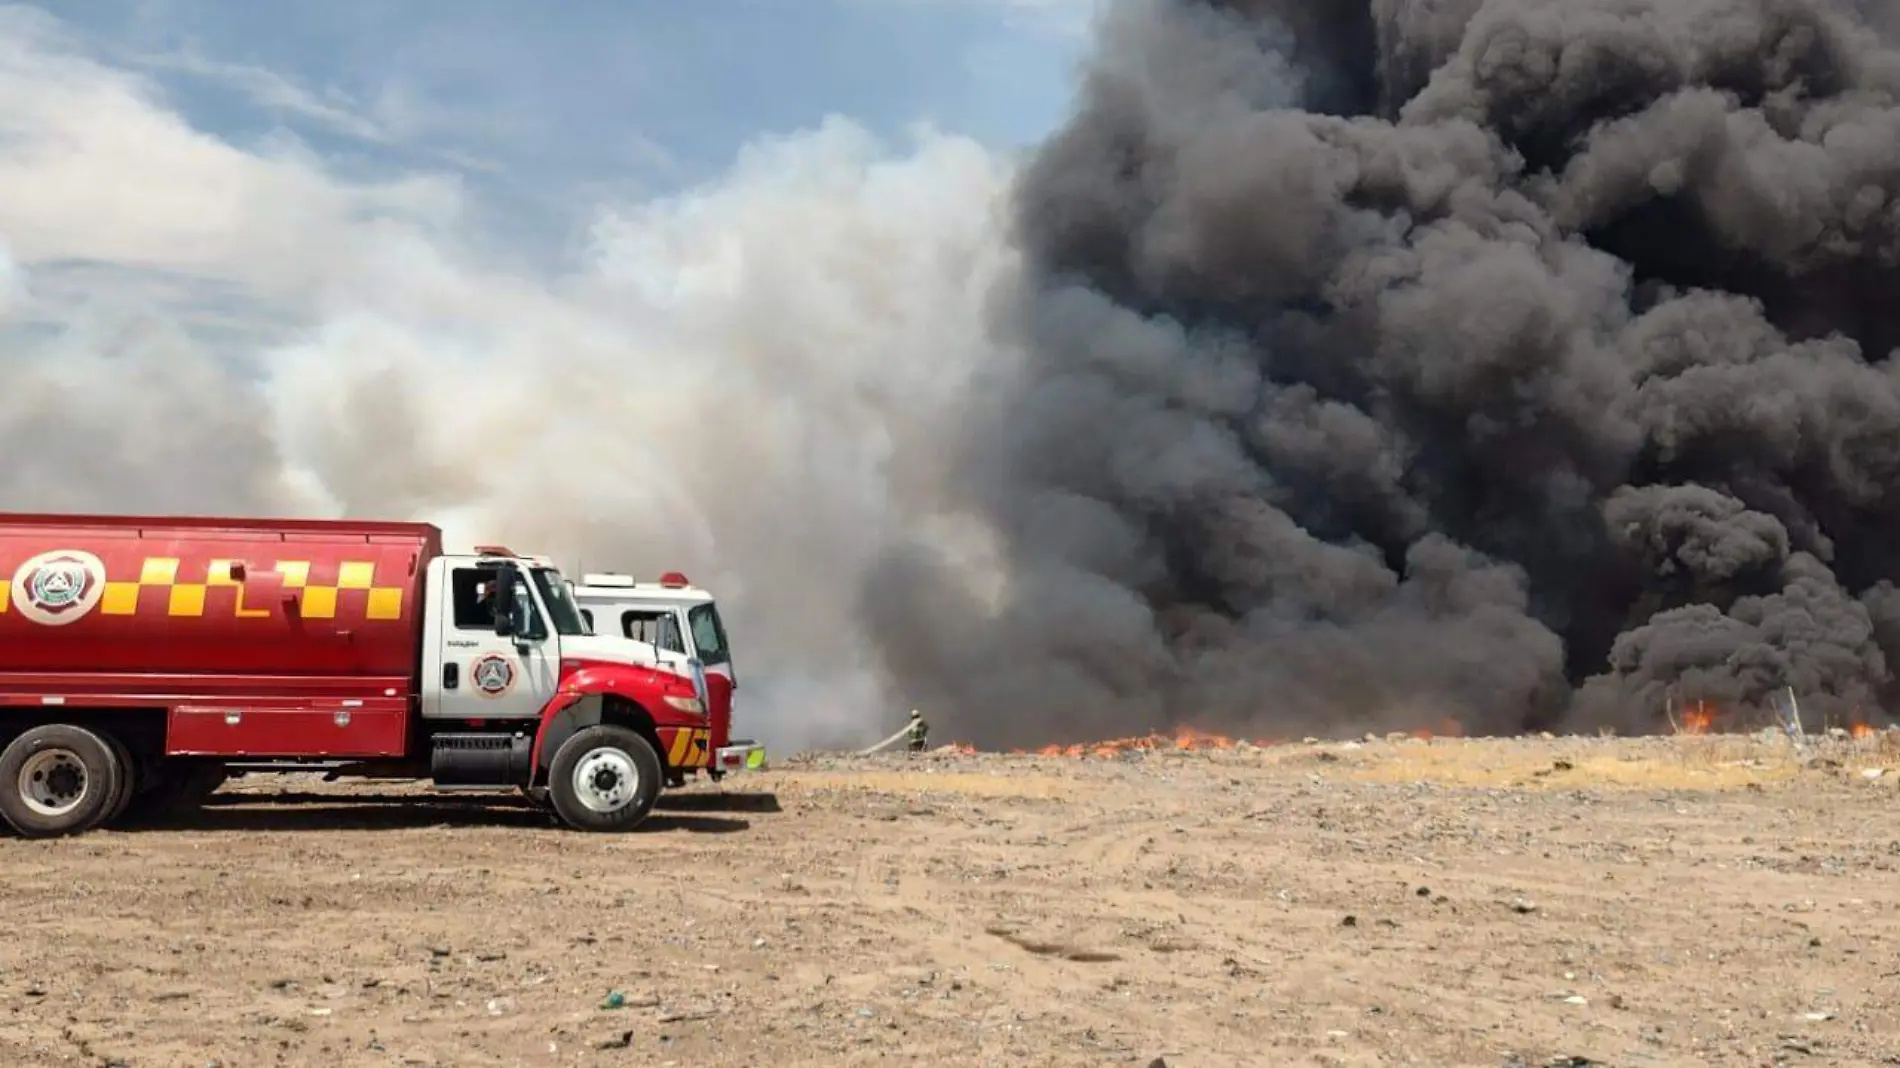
(493, 674)
(59, 587)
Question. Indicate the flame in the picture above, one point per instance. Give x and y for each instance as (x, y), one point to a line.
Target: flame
(1183, 738)
(1446, 728)
(1861, 730)
(1697, 718)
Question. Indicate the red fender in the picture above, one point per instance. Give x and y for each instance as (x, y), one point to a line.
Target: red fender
(649, 688)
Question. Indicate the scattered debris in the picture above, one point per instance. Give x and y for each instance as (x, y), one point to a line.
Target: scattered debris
(1052, 949)
(682, 1017)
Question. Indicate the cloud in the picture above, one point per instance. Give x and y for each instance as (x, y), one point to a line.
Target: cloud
(271, 91)
(748, 380)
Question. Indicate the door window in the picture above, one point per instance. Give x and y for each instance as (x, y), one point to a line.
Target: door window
(473, 591)
(709, 634)
(661, 629)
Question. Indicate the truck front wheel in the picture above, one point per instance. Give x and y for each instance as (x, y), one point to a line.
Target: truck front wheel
(57, 779)
(604, 778)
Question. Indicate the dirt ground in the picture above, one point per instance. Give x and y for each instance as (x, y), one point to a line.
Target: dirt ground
(1681, 901)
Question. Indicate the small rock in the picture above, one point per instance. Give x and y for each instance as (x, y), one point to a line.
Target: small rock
(1423, 891)
(620, 1041)
(1523, 907)
(500, 1006)
(1349, 921)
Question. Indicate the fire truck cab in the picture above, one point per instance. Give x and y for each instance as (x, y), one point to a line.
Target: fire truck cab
(680, 620)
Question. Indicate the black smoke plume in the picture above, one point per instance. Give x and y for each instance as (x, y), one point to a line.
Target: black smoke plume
(1522, 362)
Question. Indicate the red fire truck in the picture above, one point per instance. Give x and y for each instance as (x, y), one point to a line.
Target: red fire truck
(143, 658)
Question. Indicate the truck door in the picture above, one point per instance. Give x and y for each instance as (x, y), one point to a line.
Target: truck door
(484, 675)
(664, 625)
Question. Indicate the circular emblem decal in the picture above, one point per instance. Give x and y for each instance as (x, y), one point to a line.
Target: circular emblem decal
(494, 674)
(59, 587)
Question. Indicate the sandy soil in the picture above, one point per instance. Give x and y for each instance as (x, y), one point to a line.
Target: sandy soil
(1528, 902)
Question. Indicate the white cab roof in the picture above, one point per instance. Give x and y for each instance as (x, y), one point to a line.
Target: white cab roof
(608, 587)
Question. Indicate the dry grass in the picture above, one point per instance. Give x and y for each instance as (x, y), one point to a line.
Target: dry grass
(1685, 761)
(1682, 762)
(911, 783)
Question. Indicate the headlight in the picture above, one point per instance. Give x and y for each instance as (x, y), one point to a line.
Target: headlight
(687, 704)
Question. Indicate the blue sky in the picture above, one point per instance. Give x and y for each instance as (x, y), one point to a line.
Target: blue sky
(538, 104)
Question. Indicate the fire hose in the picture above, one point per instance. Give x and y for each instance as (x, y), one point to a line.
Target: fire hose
(888, 742)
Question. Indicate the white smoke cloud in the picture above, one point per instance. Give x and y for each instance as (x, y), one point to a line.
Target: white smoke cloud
(747, 381)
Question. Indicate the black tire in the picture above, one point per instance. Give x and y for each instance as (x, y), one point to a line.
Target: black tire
(73, 772)
(609, 803)
(128, 779)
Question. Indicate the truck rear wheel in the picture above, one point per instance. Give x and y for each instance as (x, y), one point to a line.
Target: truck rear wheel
(57, 779)
(604, 778)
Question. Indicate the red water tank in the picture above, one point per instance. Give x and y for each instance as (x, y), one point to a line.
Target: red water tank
(140, 604)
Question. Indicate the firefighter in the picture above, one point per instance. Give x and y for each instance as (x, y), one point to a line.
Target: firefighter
(919, 731)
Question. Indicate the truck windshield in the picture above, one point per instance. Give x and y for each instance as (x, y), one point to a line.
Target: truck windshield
(560, 601)
(709, 635)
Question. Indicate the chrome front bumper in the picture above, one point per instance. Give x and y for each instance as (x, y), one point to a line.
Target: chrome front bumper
(739, 755)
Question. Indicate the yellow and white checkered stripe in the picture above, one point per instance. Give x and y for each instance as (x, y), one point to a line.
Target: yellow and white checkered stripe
(684, 754)
(121, 596)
